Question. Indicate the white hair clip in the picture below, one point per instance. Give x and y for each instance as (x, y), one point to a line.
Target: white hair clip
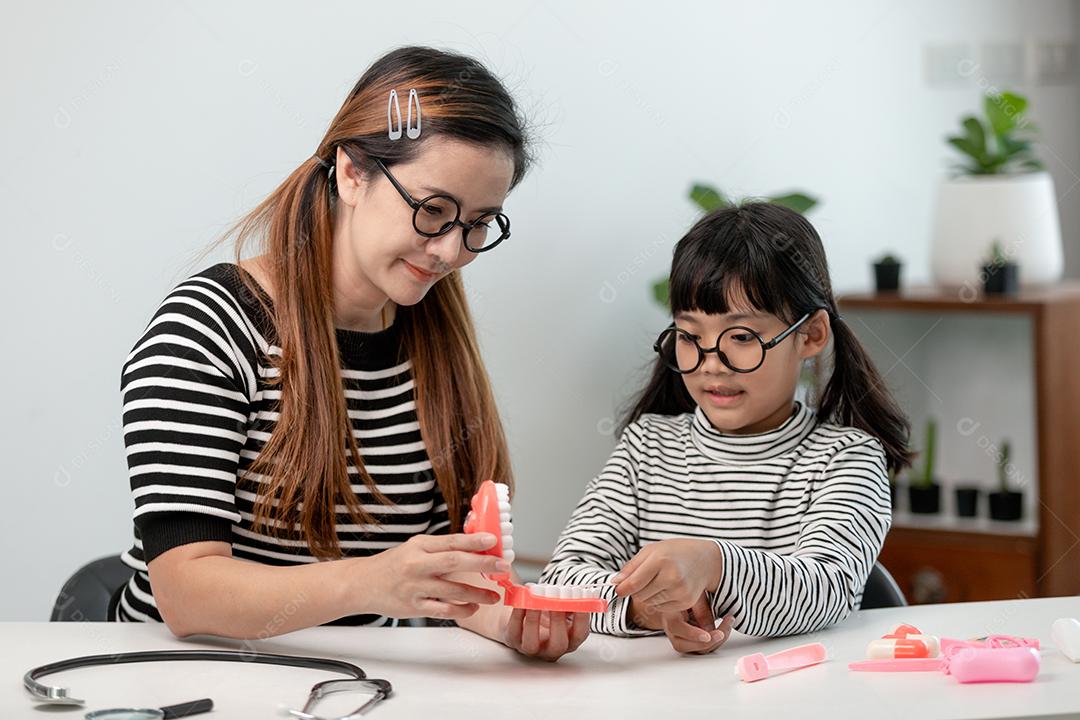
(393, 109)
(413, 131)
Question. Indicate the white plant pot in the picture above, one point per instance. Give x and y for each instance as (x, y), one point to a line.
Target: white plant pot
(1019, 211)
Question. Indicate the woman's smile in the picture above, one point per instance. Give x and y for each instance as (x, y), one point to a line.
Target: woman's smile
(419, 273)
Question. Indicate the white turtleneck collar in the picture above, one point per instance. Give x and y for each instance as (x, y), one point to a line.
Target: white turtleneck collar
(728, 448)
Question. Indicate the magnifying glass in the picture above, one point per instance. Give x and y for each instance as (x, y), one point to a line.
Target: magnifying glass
(166, 713)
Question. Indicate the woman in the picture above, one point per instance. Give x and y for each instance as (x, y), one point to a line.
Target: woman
(257, 511)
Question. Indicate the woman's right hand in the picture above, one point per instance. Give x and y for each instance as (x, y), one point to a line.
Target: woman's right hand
(407, 581)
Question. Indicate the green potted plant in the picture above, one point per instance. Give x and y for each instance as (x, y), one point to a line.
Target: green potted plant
(1005, 504)
(967, 500)
(709, 198)
(1001, 276)
(924, 492)
(998, 188)
(887, 273)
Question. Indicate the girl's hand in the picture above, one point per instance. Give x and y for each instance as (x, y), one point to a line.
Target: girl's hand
(545, 634)
(669, 576)
(694, 632)
(407, 580)
(644, 617)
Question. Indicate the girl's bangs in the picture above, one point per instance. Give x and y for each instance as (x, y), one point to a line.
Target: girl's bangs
(718, 273)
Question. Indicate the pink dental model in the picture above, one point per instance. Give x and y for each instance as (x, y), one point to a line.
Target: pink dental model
(490, 513)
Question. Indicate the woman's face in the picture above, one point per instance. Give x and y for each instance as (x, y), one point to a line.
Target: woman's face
(756, 401)
(383, 255)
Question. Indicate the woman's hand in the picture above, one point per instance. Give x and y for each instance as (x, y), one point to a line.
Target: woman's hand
(545, 634)
(407, 580)
(670, 576)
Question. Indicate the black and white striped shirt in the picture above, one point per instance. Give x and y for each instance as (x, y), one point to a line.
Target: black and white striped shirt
(799, 513)
(197, 411)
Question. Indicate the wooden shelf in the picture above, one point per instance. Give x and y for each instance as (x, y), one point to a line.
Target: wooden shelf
(1027, 528)
(935, 299)
(935, 566)
(1047, 563)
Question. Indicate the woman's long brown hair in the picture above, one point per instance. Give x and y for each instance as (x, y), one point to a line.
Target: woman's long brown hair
(305, 459)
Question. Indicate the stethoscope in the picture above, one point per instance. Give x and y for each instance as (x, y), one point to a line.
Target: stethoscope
(53, 695)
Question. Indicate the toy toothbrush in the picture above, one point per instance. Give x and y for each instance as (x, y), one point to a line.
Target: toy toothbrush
(751, 668)
(490, 513)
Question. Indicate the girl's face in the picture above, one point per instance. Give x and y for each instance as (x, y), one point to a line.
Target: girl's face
(378, 249)
(758, 401)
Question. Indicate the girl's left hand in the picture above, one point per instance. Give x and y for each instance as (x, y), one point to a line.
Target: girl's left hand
(694, 632)
(669, 576)
(545, 634)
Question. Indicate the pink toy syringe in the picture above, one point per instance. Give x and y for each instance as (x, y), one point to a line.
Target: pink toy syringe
(751, 668)
(490, 513)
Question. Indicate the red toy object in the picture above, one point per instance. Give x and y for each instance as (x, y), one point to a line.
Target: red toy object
(903, 642)
(902, 631)
(894, 648)
(490, 513)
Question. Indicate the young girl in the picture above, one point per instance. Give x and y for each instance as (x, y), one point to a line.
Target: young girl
(725, 496)
(305, 427)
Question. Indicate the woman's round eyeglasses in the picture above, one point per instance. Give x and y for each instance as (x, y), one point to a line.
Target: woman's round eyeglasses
(438, 214)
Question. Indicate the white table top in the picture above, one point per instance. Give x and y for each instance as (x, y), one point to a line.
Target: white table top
(451, 673)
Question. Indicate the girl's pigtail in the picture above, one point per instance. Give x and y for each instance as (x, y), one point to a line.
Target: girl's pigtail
(856, 396)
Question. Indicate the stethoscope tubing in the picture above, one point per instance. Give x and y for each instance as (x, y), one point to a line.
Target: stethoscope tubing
(50, 694)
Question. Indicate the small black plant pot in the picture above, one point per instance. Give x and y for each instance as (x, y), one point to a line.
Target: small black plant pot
(887, 276)
(924, 500)
(1001, 279)
(1007, 505)
(967, 501)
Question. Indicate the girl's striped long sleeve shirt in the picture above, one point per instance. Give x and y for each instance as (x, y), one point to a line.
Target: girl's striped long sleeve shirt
(799, 514)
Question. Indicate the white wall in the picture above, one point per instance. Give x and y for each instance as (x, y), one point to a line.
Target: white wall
(134, 132)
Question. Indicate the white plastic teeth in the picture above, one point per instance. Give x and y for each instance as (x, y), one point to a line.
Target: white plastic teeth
(506, 525)
(566, 592)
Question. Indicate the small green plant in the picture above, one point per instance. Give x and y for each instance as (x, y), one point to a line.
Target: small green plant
(999, 143)
(926, 478)
(708, 198)
(1004, 457)
(888, 259)
(997, 254)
